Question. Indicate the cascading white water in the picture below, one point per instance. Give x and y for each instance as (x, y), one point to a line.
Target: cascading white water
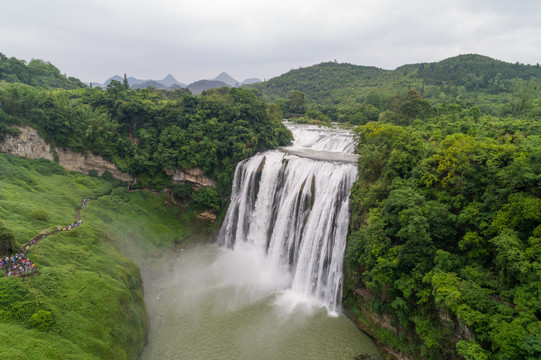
(312, 137)
(295, 211)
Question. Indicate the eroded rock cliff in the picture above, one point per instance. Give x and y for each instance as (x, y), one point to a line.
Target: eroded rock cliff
(29, 144)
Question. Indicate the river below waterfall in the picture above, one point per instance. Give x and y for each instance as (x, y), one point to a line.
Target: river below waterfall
(273, 288)
(213, 303)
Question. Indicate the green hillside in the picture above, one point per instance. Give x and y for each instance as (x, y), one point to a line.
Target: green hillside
(325, 83)
(87, 302)
(443, 254)
(146, 132)
(36, 73)
(487, 82)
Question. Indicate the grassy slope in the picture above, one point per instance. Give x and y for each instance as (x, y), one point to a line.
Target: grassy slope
(87, 302)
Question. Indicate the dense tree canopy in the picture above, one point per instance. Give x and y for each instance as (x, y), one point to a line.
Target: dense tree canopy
(446, 229)
(36, 73)
(494, 86)
(145, 133)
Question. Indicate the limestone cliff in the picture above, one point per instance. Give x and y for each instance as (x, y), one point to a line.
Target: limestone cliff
(194, 175)
(29, 144)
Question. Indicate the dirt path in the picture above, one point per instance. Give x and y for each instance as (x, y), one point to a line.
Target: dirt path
(19, 265)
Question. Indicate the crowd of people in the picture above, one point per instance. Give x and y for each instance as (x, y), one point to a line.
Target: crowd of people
(83, 203)
(19, 265)
(74, 225)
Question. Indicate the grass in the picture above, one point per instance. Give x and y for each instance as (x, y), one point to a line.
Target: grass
(87, 302)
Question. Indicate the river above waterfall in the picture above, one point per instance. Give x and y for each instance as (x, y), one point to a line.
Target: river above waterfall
(213, 303)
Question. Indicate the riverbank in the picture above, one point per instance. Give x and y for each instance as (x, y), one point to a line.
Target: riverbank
(87, 302)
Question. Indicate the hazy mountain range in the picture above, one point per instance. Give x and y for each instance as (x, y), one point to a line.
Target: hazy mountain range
(170, 83)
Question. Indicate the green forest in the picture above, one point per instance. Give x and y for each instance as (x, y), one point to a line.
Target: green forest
(445, 230)
(146, 132)
(36, 73)
(342, 91)
(87, 302)
(446, 233)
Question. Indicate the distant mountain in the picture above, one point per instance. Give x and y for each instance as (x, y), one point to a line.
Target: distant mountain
(250, 81)
(177, 86)
(199, 86)
(224, 77)
(134, 82)
(146, 83)
(166, 83)
(169, 80)
(116, 77)
(170, 83)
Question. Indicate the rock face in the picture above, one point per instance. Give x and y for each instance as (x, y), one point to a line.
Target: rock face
(29, 144)
(207, 215)
(194, 175)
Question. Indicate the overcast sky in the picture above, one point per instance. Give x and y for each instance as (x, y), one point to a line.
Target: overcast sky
(198, 39)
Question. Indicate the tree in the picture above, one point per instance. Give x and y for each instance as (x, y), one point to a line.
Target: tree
(524, 97)
(125, 82)
(296, 102)
(414, 106)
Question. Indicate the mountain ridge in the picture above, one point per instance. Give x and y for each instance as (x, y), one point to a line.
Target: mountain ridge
(331, 83)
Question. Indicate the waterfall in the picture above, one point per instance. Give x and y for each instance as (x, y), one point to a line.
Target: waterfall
(295, 210)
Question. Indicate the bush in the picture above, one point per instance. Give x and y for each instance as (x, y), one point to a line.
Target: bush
(207, 198)
(107, 175)
(40, 214)
(43, 169)
(41, 319)
(182, 192)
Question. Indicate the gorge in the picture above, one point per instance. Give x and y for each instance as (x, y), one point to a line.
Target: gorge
(272, 288)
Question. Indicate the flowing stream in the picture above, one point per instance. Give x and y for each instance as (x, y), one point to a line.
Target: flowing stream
(272, 288)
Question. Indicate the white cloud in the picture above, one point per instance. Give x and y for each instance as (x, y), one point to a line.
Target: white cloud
(198, 39)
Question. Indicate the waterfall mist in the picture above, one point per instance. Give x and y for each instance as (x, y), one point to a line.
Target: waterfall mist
(268, 290)
(295, 210)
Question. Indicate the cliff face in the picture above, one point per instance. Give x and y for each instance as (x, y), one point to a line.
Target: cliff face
(29, 144)
(194, 175)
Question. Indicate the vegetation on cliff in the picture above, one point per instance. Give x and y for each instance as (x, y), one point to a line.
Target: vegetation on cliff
(146, 134)
(445, 239)
(87, 302)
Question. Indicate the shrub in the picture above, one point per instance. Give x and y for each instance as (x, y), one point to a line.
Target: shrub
(43, 169)
(107, 175)
(182, 192)
(41, 319)
(40, 214)
(207, 198)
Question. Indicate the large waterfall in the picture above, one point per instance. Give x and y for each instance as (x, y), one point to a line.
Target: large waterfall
(292, 206)
(266, 293)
